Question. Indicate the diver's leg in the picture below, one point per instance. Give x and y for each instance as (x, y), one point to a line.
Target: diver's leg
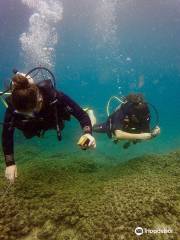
(136, 141)
(126, 144)
(91, 115)
(100, 128)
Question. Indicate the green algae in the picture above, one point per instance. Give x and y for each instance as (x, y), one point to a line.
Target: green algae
(70, 197)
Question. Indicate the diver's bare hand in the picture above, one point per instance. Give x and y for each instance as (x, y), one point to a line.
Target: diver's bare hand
(155, 132)
(11, 173)
(87, 141)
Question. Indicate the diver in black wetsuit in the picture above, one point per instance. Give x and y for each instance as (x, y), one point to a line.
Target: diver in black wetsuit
(34, 109)
(131, 121)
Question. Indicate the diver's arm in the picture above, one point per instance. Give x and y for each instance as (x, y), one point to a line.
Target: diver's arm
(121, 135)
(75, 110)
(86, 140)
(8, 147)
(8, 139)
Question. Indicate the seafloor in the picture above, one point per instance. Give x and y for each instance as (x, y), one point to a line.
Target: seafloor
(75, 197)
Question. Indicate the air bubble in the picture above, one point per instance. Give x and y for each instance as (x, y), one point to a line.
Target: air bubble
(39, 42)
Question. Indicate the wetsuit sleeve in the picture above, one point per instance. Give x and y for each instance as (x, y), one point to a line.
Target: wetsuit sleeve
(75, 110)
(8, 138)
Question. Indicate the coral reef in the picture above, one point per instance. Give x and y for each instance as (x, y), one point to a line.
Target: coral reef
(76, 197)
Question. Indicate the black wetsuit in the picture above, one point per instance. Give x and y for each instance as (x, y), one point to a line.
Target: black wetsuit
(57, 107)
(126, 118)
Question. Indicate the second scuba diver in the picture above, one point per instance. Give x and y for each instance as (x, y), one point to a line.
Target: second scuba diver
(130, 121)
(34, 109)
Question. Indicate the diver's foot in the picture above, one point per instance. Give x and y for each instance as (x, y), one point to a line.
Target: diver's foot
(136, 141)
(126, 145)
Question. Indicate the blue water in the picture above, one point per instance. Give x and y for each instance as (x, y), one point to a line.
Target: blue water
(106, 48)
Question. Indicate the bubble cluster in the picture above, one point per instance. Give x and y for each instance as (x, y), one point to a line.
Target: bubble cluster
(39, 41)
(106, 24)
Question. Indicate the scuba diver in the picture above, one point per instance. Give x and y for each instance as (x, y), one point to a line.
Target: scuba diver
(35, 108)
(130, 121)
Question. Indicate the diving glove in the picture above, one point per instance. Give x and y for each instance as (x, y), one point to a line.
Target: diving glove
(87, 141)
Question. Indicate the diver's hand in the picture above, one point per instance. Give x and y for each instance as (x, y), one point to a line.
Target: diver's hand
(155, 132)
(87, 141)
(11, 173)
